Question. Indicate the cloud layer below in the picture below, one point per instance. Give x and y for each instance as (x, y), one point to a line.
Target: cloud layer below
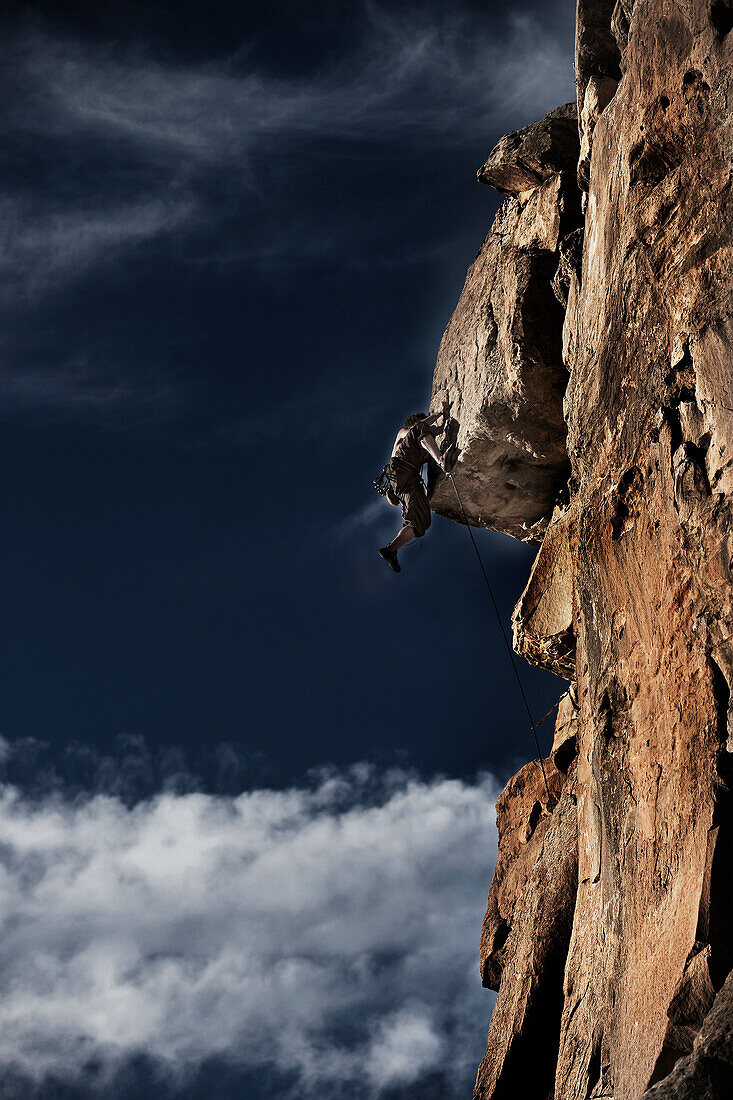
(325, 932)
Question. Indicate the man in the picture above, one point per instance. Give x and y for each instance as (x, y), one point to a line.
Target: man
(415, 443)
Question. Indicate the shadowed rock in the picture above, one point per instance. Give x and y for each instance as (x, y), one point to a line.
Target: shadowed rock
(596, 47)
(707, 1073)
(597, 68)
(527, 158)
(569, 265)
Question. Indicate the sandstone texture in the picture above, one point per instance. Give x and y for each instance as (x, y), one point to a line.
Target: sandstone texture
(612, 907)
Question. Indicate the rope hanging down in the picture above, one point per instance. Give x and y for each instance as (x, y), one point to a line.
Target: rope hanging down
(506, 640)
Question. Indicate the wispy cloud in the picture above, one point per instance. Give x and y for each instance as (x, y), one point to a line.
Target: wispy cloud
(326, 932)
(338, 402)
(156, 148)
(119, 152)
(375, 516)
(418, 75)
(77, 388)
(42, 242)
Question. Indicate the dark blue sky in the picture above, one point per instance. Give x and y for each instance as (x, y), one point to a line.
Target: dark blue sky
(233, 235)
(195, 406)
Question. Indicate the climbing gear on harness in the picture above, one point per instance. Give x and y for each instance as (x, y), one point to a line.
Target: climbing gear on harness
(381, 483)
(506, 640)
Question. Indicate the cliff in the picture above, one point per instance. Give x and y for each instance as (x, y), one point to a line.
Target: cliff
(589, 366)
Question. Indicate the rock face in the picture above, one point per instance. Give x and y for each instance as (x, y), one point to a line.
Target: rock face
(631, 595)
(500, 359)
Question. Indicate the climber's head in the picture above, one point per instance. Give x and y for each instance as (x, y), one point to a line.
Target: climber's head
(415, 419)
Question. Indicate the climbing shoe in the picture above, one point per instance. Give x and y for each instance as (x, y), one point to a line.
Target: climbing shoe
(390, 556)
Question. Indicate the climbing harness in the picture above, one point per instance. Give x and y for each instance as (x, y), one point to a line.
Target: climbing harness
(383, 484)
(506, 640)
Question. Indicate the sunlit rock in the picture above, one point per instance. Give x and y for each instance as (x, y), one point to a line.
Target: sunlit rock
(632, 592)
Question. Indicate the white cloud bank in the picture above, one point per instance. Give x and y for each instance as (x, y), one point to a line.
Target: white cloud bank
(327, 932)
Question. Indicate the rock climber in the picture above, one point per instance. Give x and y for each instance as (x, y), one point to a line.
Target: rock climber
(415, 443)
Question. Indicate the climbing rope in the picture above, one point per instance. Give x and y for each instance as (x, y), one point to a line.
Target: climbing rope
(506, 640)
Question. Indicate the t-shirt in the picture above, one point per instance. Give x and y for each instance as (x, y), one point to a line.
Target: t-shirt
(409, 448)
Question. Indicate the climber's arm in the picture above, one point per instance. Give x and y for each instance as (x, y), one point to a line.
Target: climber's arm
(435, 417)
(429, 444)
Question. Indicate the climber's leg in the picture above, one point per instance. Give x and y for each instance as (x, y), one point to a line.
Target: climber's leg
(389, 553)
(402, 538)
(416, 520)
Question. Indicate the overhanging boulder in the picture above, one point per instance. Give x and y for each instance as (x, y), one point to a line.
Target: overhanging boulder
(527, 158)
(500, 362)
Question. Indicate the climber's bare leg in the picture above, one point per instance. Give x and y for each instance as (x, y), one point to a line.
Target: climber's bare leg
(407, 534)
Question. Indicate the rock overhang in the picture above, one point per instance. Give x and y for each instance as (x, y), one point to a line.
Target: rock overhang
(500, 360)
